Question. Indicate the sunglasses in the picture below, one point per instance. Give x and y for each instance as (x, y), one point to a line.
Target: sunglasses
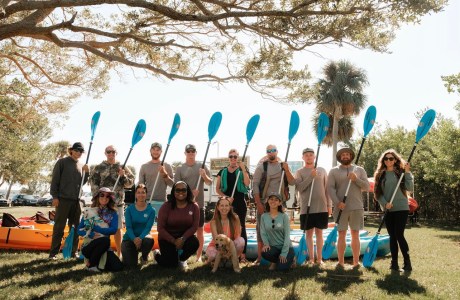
(184, 190)
(190, 151)
(104, 195)
(271, 150)
(233, 156)
(273, 224)
(110, 151)
(388, 158)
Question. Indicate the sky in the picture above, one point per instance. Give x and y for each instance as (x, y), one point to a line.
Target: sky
(400, 83)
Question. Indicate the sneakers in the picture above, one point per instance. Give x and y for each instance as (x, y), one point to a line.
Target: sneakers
(183, 266)
(53, 257)
(93, 269)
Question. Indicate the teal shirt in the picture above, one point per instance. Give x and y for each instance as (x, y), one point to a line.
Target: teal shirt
(138, 223)
(280, 235)
(400, 201)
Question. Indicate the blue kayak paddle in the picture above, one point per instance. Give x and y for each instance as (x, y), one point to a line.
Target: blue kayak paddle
(174, 128)
(293, 128)
(323, 128)
(94, 121)
(423, 127)
(331, 240)
(138, 134)
(250, 130)
(68, 244)
(213, 127)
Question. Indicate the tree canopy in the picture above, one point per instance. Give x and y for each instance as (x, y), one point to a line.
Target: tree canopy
(63, 48)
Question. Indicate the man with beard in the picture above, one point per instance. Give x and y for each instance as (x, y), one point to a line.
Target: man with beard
(266, 182)
(352, 210)
(148, 174)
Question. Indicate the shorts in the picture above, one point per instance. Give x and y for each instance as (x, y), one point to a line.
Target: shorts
(201, 224)
(121, 215)
(353, 219)
(317, 220)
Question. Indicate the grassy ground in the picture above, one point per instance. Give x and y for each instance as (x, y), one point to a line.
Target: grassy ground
(434, 250)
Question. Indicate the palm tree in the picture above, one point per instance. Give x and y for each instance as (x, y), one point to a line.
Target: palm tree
(340, 96)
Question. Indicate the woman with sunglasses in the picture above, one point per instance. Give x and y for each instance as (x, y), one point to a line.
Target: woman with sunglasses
(275, 231)
(178, 221)
(225, 221)
(139, 220)
(226, 180)
(390, 167)
(97, 224)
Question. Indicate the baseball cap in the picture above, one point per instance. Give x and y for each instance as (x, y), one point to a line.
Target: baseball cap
(308, 150)
(190, 147)
(156, 144)
(77, 146)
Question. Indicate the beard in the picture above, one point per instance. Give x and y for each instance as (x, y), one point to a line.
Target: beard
(155, 157)
(272, 158)
(346, 161)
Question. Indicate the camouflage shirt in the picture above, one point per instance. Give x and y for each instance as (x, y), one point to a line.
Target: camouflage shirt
(105, 175)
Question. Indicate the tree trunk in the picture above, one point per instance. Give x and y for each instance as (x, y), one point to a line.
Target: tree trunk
(335, 134)
(9, 190)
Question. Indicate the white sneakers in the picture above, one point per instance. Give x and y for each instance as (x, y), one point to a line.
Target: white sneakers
(93, 269)
(183, 266)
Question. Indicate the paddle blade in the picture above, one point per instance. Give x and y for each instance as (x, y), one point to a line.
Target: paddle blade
(371, 252)
(425, 124)
(293, 125)
(67, 249)
(175, 127)
(302, 252)
(94, 122)
(214, 124)
(323, 127)
(330, 243)
(139, 132)
(251, 127)
(369, 119)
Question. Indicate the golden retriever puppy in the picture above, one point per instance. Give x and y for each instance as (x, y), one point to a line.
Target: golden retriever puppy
(225, 250)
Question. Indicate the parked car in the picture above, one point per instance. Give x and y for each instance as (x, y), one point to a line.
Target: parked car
(5, 202)
(21, 199)
(86, 199)
(45, 201)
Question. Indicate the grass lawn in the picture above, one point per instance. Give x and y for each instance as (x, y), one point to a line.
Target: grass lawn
(435, 252)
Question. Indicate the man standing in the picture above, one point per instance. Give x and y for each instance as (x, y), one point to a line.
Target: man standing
(353, 209)
(65, 190)
(148, 174)
(190, 172)
(320, 205)
(105, 175)
(266, 180)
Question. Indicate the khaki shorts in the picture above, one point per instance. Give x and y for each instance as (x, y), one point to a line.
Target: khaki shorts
(353, 219)
(121, 215)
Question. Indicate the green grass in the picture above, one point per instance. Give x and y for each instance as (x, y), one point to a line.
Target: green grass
(434, 251)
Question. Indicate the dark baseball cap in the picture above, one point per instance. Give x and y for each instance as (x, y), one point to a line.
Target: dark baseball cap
(190, 147)
(77, 146)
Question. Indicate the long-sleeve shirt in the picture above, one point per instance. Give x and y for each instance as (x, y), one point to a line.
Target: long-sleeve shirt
(138, 222)
(276, 232)
(191, 174)
(177, 222)
(106, 174)
(320, 200)
(106, 229)
(66, 179)
(337, 182)
(148, 174)
(400, 201)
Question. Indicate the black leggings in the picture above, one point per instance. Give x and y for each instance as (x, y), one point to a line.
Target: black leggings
(396, 224)
(240, 208)
(169, 257)
(95, 249)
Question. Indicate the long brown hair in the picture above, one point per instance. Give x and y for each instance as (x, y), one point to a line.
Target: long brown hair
(380, 172)
(232, 219)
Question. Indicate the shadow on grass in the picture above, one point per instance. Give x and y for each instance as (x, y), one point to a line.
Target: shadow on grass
(338, 281)
(397, 283)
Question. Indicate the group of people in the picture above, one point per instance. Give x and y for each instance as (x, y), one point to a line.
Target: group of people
(180, 215)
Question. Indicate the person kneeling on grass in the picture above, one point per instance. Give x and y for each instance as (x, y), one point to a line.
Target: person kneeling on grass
(139, 220)
(275, 229)
(97, 224)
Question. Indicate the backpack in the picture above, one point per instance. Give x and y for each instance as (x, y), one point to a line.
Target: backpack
(8, 220)
(263, 181)
(41, 218)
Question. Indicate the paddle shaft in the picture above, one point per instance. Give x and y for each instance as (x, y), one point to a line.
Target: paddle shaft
(203, 164)
(83, 172)
(238, 172)
(123, 167)
(158, 174)
(349, 181)
(282, 171)
(312, 185)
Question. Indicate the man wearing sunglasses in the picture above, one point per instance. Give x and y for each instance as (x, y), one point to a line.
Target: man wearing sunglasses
(353, 209)
(266, 182)
(105, 175)
(190, 172)
(148, 175)
(65, 189)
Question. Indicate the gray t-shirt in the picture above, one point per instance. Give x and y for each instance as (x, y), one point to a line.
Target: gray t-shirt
(190, 175)
(148, 174)
(274, 172)
(320, 200)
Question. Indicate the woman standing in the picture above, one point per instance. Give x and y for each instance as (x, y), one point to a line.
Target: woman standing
(178, 221)
(98, 228)
(139, 220)
(225, 221)
(275, 231)
(226, 179)
(390, 167)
